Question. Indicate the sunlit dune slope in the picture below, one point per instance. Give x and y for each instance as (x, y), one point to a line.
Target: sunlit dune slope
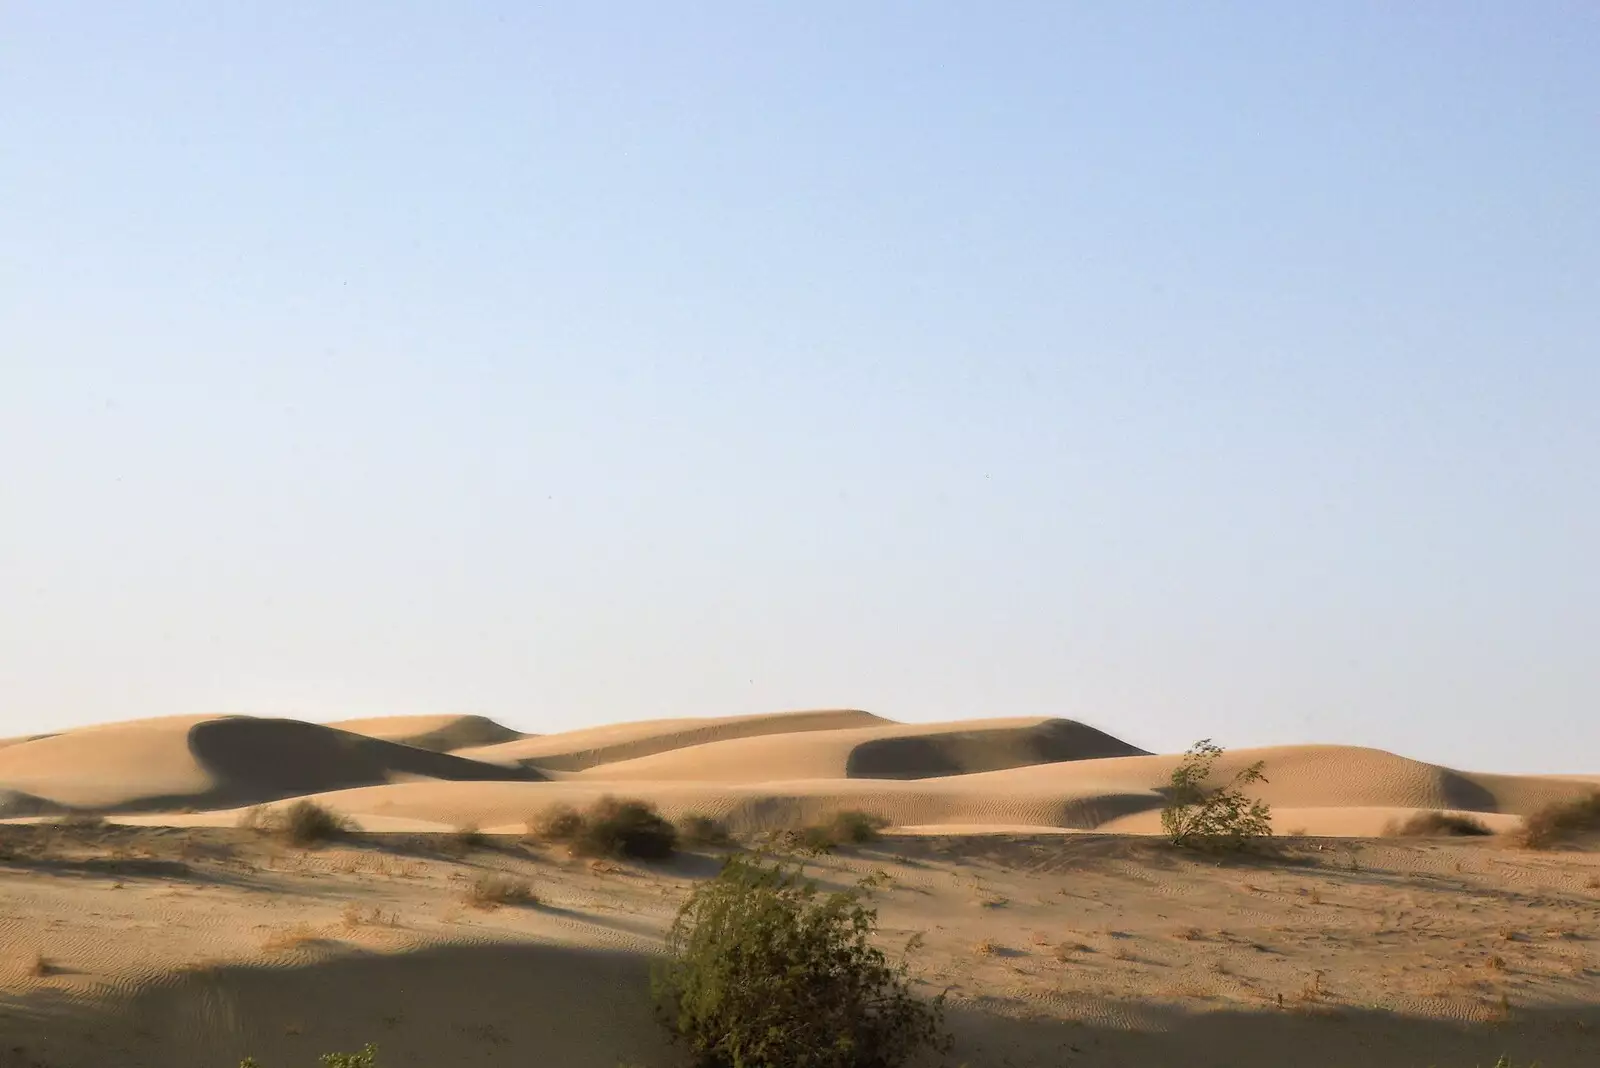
(576, 750)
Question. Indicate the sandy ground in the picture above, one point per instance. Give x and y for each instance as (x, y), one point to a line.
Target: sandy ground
(195, 947)
(1063, 933)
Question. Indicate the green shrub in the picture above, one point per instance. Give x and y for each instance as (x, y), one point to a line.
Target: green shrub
(697, 830)
(763, 970)
(1560, 822)
(1213, 817)
(1437, 824)
(625, 828)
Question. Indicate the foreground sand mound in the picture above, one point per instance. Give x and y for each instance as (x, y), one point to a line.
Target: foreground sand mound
(891, 751)
(441, 734)
(212, 762)
(577, 750)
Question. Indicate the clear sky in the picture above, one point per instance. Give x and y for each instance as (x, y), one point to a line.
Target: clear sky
(1226, 370)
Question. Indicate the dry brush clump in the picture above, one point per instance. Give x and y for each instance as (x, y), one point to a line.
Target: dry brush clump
(611, 827)
(699, 831)
(492, 889)
(1560, 822)
(1436, 825)
(301, 823)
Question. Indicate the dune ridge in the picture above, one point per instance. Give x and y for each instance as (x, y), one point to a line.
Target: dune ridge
(581, 749)
(442, 734)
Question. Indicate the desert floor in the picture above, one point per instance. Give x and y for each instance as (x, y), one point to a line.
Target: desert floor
(170, 937)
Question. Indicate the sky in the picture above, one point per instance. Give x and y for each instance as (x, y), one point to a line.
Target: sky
(1223, 371)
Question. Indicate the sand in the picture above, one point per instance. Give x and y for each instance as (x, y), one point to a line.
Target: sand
(1023, 851)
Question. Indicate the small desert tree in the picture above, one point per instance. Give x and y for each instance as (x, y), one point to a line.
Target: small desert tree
(764, 970)
(1198, 814)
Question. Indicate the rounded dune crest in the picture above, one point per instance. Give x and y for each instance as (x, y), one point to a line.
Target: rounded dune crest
(590, 747)
(442, 734)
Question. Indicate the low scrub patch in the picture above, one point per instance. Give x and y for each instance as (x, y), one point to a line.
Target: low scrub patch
(492, 889)
(695, 830)
(851, 827)
(1437, 825)
(302, 823)
(1560, 822)
(625, 828)
(555, 823)
(611, 827)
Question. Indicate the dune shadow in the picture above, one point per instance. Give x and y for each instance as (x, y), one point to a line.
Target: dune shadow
(255, 760)
(964, 752)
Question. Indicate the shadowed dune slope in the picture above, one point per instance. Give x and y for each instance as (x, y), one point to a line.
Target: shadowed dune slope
(441, 734)
(577, 750)
(891, 751)
(211, 762)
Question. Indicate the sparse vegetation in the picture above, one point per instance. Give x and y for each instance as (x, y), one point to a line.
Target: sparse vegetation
(696, 830)
(1436, 825)
(1560, 822)
(610, 827)
(493, 889)
(850, 827)
(555, 823)
(1198, 815)
(468, 837)
(765, 970)
(366, 1058)
(625, 828)
(302, 824)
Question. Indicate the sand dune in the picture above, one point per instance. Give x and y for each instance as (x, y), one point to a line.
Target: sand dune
(1329, 790)
(442, 734)
(211, 761)
(577, 750)
(889, 751)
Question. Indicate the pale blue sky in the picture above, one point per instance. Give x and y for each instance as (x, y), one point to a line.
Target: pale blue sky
(1228, 370)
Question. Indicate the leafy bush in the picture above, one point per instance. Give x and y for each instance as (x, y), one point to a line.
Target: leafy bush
(1436, 824)
(697, 830)
(625, 828)
(1213, 817)
(1560, 822)
(766, 971)
(303, 823)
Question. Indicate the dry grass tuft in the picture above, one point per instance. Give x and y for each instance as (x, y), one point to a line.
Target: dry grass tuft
(492, 889)
(288, 938)
(1188, 934)
(555, 823)
(985, 947)
(39, 966)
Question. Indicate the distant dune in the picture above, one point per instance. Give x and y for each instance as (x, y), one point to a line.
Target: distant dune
(758, 771)
(215, 761)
